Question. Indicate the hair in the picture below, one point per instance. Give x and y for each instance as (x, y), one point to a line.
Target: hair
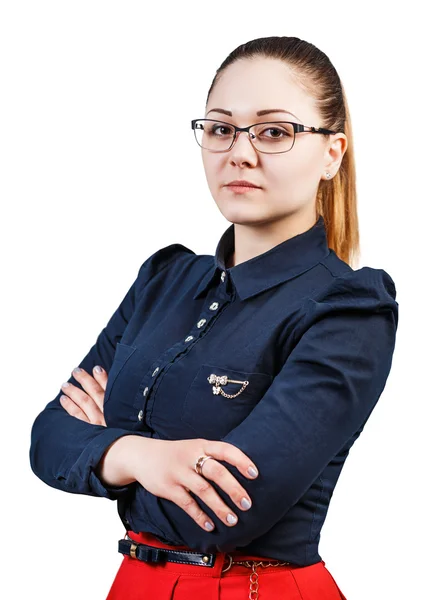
(336, 198)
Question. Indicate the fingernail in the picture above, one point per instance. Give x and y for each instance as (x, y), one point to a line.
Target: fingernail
(253, 471)
(208, 526)
(98, 369)
(231, 519)
(245, 503)
(77, 370)
(65, 384)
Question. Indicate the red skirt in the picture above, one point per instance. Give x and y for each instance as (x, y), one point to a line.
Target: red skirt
(138, 580)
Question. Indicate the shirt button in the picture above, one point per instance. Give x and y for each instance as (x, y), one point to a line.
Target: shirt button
(201, 323)
(145, 392)
(140, 415)
(214, 306)
(155, 371)
(189, 337)
(223, 276)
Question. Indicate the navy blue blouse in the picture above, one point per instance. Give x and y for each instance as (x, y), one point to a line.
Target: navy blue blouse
(313, 337)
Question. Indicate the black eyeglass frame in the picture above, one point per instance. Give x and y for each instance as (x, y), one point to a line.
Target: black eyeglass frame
(297, 127)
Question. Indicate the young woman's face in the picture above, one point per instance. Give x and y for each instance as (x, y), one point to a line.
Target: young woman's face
(288, 181)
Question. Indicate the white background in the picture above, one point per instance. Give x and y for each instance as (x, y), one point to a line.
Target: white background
(85, 200)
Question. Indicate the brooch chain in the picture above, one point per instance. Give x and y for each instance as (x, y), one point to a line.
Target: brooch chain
(219, 380)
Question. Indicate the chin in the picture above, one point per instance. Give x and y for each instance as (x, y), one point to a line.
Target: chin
(246, 216)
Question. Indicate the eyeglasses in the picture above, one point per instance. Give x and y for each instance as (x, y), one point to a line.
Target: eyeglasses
(219, 136)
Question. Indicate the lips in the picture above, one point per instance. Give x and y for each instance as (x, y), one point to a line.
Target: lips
(241, 183)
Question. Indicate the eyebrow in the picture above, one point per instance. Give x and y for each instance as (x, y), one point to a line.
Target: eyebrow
(260, 113)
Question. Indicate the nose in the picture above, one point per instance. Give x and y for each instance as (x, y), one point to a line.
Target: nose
(248, 134)
(243, 149)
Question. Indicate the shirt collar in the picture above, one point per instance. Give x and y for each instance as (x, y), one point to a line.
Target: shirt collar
(277, 265)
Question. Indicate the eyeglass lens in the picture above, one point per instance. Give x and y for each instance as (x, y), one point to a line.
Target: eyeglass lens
(269, 138)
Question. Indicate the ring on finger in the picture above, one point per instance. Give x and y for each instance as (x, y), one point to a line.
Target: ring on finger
(200, 462)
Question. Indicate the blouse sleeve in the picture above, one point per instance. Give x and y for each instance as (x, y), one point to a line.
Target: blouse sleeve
(322, 396)
(64, 450)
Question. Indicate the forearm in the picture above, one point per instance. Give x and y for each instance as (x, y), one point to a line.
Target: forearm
(66, 451)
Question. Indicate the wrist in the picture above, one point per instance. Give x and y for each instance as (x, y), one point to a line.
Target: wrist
(116, 467)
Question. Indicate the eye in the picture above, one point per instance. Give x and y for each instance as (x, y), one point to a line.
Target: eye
(277, 131)
(221, 127)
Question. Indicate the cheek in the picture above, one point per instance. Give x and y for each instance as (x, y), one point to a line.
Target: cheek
(210, 168)
(300, 170)
(282, 173)
(309, 157)
(290, 181)
(214, 169)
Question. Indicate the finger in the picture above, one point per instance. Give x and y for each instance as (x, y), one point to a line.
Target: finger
(218, 473)
(90, 385)
(230, 454)
(186, 502)
(85, 403)
(72, 408)
(101, 376)
(204, 490)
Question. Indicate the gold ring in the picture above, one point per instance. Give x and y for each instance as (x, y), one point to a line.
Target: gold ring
(199, 463)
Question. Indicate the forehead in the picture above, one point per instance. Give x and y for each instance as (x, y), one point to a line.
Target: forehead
(249, 86)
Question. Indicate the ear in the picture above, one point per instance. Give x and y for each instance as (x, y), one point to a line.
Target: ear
(334, 152)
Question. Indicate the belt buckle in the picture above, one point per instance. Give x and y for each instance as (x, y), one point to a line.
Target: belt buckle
(133, 546)
(133, 550)
(230, 565)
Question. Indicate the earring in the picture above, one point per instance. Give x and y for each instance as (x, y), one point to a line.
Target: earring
(328, 175)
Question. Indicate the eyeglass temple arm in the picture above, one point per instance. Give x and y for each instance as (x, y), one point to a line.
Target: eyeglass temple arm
(300, 128)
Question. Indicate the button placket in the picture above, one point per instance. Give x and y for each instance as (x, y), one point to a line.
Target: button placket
(140, 414)
(226, 286)
(219, 301)
(211, 307)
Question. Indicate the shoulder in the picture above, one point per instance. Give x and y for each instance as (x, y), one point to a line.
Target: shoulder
(364, 282)
(157, 263)
(365, 290)
(348, 282)
(165, 256)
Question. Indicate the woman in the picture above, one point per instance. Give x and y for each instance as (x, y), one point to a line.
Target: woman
(221, 400)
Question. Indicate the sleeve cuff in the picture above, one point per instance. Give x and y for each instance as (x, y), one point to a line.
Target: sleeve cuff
(81, 476)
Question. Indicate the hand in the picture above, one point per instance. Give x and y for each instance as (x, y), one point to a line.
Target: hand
(167, 469)
(86, 406)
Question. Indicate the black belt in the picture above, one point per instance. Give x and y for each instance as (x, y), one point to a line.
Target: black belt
(152, 554)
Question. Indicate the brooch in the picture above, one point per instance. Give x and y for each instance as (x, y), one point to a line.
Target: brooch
(218, 380)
